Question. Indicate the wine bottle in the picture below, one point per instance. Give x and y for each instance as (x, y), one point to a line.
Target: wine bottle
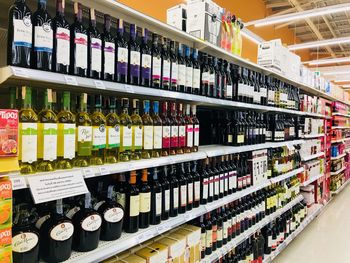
(181, 74)
(166, 130)
(134, 57)
(42, 38)
(98, 121)
(146, 60)
(205, 73)
(137, 131)
(218, 78)
(148, 132)
(157, 131)
(196, 127)
(196, 78)
(183, 189)
(203, 236)
(220, 226)
(122, 58)
(113, 132)
(165, 193)
(189, 70)
(61, 40)
(108, 50)
(125, 132)
(165, 66)
(156, 62)
(174, 131)
(189, 130)
(174, 66)
(94, 48)
(121, 190)
(156, 198)
(209, 235)
(214, 230)
(145, 201)
(78, 44)
(174, 191)
(212, 89)
(204, 182)
(19, 39)
(190, 186)
(132, 205)
(196, 185)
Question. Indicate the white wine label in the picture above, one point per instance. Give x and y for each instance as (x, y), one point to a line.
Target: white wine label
(222, 184)
(229, 91)
(212, 78)
(134, 205)
(123, 55)
(189, 132)
(190, 193)
(22, 32)
(66, 133)
(99, 137)
(196, 78)
(49, 133)
(157, 137)
(63, 46)
(205, 77)
(209, 238)
(146, 61)
(196, 135)
(135, 58)
(137, 130)
(174, 72)
(181, 75)
(176, 197)
(197, 190)
(81, 54)
(148, 137)
(127, 136)
(114, 215)
(216, 184)
(29, 142)
(92, 223)
(109, 58)
(96, 54)
(167, 200)
(84, 133)
(205, 188)
(121, 199)
(183, 195)
(166, 70)
(43, 38)
(113, 137)
(158, 203)
(24, 242)
(145, 202)
(156, 67)
(62, 231)
(189, 76)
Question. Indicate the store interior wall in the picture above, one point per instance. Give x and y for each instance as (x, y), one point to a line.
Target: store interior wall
(246, 10)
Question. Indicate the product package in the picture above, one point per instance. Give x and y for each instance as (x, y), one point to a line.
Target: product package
(154, 253)
(5, 221)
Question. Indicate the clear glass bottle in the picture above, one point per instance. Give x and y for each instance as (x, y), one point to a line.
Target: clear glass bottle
(137, 131)
(125, 132)
(157, 131)
(113, 132)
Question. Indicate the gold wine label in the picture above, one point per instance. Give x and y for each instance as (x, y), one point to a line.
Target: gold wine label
(92, 14)
(49, 95)
(23, 92)
(76, 7)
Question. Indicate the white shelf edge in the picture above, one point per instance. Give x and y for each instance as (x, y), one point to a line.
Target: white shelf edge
(311, 136)
(341, 114)
(339, 171)
(338, 157)
(313, 156)
(341, 188)
(312, 179)
(340, 127)
(340, 140)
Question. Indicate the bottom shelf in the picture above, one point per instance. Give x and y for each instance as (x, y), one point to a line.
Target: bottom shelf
(340, 188)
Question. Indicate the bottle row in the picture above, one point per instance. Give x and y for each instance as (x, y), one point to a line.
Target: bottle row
(54, 137)
(78, 223)
(43, 43)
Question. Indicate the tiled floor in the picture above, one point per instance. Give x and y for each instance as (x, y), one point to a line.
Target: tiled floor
(326, 239)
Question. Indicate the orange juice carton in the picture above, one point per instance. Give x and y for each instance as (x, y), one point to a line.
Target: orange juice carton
(6, 255)
(8, 133)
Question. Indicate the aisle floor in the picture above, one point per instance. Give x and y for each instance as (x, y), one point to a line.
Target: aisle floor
(326, 239)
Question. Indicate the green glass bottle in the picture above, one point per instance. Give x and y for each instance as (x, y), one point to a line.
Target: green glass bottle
(157, 131)
(113, 132)
(66, 134)
(147, 131)
(83, 135)
(125, 132)
(47, 135)
(137, 131)
(28, 133)
(98, 121)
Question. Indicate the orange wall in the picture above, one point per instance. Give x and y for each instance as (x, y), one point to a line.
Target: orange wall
(247, 12)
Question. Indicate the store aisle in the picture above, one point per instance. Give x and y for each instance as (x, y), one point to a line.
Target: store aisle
(326, 239)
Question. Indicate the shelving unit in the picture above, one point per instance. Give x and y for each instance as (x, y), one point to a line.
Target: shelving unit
(312, 136)
(338, 157)
(341, 188)
(340, 140)
(339, 171)
(313, 156)
(341, 114)
(312, 179)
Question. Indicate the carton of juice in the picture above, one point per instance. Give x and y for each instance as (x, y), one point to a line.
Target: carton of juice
(5, 220)
(8, 133)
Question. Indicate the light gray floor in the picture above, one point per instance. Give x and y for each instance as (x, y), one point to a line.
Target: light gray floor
(326, 239)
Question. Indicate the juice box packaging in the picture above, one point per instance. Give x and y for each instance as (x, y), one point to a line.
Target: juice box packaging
(8, 133)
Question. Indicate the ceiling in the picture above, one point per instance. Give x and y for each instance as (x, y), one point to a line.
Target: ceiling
(317, 28)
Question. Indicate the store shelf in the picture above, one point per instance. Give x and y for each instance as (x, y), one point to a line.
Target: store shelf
(287, 175)
(338, 157)
(236, 241)
(313, 212)
(339, 171)
(312, 179)
(312, 136)
(340, 127)
(311, 157)
(340, 140)
(341, 114)
(341, 188)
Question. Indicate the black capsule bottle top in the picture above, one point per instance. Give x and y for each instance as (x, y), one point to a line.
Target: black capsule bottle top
(125, 102)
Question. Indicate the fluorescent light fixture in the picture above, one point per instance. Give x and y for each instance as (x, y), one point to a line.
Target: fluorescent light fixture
(342, 80)
(252, 36)
(332, 73)
(320, 43)
(328, 61)
(346, 86)
(300, 15)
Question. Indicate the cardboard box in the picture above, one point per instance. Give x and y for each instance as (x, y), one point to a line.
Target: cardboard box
(154, 253)
(270, 54)
(177, 16)
(176, 248)
(132, 259)
(193, 241)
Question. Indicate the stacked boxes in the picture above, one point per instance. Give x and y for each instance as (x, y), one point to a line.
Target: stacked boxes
(5, 221)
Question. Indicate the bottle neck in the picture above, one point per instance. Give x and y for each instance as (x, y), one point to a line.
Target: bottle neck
(42, 5)
(60, 9)
(125, 110)
(112, 110)
(136, 111)
(98, 108)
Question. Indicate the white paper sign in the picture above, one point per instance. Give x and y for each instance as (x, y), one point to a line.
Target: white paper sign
(45, 188)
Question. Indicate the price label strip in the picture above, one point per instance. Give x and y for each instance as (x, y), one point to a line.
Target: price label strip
(18, 183)
(20, 72)
(88, 172)
(99, 84)
(70, 80)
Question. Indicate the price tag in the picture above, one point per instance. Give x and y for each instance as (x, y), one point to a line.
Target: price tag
(18, 183)
(88, 172)
(49, 187)
(70, 80)
(140, 238)
(20, 72)
(104, 170)
(213, 257)
(99, 84)
(129, 89)
(163, 228)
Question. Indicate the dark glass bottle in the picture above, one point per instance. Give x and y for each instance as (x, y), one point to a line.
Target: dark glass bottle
(196, 128)
(212, 90)
(209, 235)
(196, 185)
(174, 66)
(220, 228)
(134, 57)
(156, 199)
(94, 48)
(181, 81)
(216, 179)
(203, 236)
(189, 70)
(61, 40)
(78, 44)
(196, 78)
(165, 193)
(19, 38)
(211, 181)
(122, 58)
(146, 60)
(215, 230)
(204, 182)
(108, 50)
(156, 62)
(166, 135)
(42, 38)
(182, 129)
(190, 186)
(183, 189)
(174, 131)
(174, 191)
(145, 201)
(122, 188)
(205, 73)
(132, 205)
(218, 78)
(166, 66)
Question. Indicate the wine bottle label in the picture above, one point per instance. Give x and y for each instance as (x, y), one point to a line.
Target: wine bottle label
(63, 46)
(134, 205)
(148, 137)
(166, 137)
(158, 203)
(189, 132)
(174, 72)
(240, 138)
(212, 78)
(205, 78)
(96, 54)
(92, 223)
(182, 136)
(43, 38)
(226, 229)
(135, 58)
(41, 221)
(174, 136)
(205, 189)
(28, 142)
(215, 233)
(221, 183)
(126, 137)
(197, 190)
(98, 137)
(62, 231)
(219, 234)
(114, 215)
(211, 187)
(196, 78)
(81, 54)
(84, 134)
(271, 96)
(137, 136)
(203, 241)
(166, 70)
(226, 187)
(113, 137)
(47, 141)
(229, 92)
(269, 241)
(167, 200)
(196, 135)
(181, 75)
(24, 242)
(183, 195)
(145, 202)
(156, 68)
(109, 58)
(216, 184)
(157, 137)
(66, 134)
(209, 238)
(239, 183)
(122, 63)
(176, 197)
(190, 193)
(22, 32)
(121, 199)
(189, 76)
(146, 66)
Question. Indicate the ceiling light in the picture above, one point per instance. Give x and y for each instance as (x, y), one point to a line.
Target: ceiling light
(328, 61)
(251, 36)
(342, 80)
(346, 86)
(320, 43)
(332, 73)
(300, 15)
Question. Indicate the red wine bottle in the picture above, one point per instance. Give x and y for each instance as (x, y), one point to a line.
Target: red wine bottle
(181, 76)
(174, 68)
(19, 38)
(174, 131)
(146, 60)
(190, 187)
(94, 48)
(204, 182)
(108, 50)
(156, 198)
(166, 63)
(78, 44)
(174, 191)
(132, 205)
(165, 129)
(196, 81)
(196, 185)
(189, 70)
(165, 193)
(134, 57)
(145, 201)
(183, 189)
(121, 54)
(182, 129)
(209, 235)
(61, 40)
(156, 62)
(42, 38)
